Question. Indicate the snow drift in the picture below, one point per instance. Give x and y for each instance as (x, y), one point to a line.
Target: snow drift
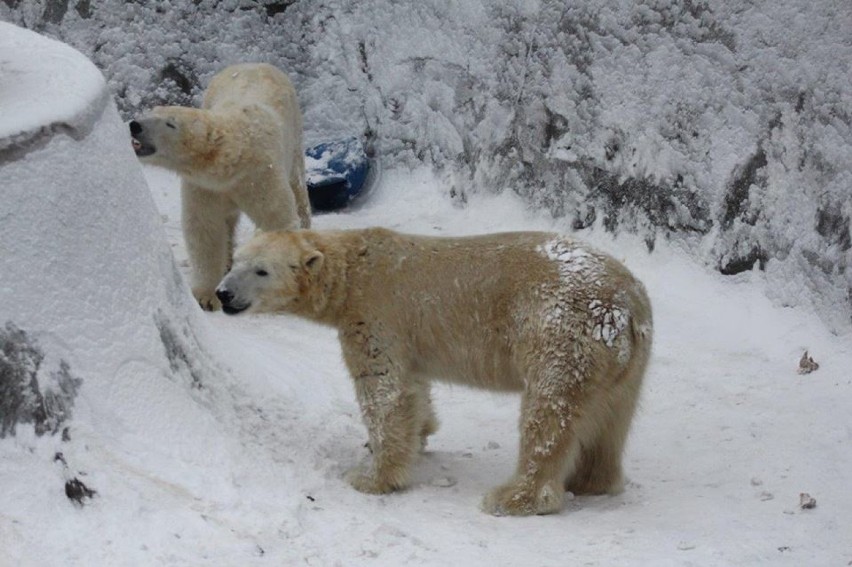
(726, 126)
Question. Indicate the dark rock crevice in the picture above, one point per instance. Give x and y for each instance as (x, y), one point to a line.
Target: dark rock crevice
(29, 392)
(181, 348)
(737, 195)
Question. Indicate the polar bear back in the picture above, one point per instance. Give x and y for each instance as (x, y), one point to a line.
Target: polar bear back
(253, 83)
(473, 308)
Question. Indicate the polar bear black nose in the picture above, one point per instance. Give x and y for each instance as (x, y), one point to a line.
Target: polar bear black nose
(135, 128)
(225, 296)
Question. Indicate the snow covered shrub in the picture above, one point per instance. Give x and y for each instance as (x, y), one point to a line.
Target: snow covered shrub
(725, 125)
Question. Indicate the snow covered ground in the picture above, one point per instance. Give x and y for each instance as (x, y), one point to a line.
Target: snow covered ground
(248, 470)
(245, 467)
(727, 437)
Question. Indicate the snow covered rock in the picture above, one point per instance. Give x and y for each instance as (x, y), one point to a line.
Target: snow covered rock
(102, 350)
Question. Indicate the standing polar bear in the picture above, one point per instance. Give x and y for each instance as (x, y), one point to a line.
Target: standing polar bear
(241, 151)
(566, 325)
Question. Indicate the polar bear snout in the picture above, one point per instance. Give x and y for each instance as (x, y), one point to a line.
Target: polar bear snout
(226, 296)
(229, 303)
(141, 140)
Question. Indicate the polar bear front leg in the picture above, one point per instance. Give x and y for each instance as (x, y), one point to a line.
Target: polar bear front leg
(428, 419)
(392, 413)
(209, 221)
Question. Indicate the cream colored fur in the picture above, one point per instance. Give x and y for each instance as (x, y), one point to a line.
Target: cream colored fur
(241, 151)
(567, 326)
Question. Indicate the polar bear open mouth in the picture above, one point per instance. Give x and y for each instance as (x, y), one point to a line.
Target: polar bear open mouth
(141, 146)
(142, 149)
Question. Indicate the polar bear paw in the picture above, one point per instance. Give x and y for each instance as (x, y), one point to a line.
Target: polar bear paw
(367, 481)
(207, 299)
(520, 499)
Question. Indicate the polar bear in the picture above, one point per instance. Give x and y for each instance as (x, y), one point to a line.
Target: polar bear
(567, 326)
(241, 151)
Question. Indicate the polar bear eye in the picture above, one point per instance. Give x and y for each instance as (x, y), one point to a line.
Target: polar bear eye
(261, 272)
(171, 125)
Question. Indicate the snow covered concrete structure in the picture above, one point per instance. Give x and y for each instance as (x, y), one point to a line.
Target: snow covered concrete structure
(87, 276)
(102, 350)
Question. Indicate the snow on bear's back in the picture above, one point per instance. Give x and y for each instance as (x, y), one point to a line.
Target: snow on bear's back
(595, 291)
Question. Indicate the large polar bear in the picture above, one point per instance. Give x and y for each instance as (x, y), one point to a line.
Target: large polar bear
(566, 325)
(241, 151)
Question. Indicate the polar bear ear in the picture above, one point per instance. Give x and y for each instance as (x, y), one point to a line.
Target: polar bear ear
(312, 261)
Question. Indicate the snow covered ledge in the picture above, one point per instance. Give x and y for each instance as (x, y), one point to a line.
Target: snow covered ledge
(103, 368)
(64, 93)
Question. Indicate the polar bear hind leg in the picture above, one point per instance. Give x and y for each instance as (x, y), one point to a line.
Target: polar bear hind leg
(298, 185)
(275, 210)
(551, 409)
(598, 469)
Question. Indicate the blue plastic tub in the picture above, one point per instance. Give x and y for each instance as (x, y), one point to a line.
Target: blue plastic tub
(337, 173)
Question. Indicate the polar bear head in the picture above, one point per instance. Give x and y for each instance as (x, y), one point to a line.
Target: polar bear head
(174, 137)
(275, 271)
